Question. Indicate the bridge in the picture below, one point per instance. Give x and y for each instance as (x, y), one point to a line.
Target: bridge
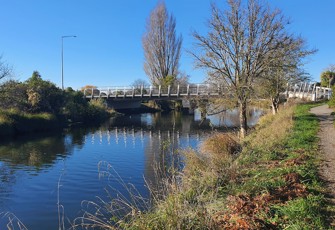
(133, 95)
(154, 92)
(307, 90)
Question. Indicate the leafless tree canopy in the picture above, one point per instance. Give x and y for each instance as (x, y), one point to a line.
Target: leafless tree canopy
(241, 44)
(285, 69)
(138, 83)
(5, 69)
(161, 45)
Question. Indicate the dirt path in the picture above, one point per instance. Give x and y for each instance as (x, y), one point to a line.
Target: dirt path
(327, 144)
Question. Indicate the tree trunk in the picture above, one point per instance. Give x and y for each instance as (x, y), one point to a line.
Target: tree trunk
(275, 105)
(243, 119)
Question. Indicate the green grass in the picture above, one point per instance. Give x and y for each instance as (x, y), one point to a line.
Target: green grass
(13, 122)
(304, 212)
(301, 213)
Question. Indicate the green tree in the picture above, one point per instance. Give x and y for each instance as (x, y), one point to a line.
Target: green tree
(168, 80)
(13, 96)
(43, 96)
(328, 78)
(75, 107)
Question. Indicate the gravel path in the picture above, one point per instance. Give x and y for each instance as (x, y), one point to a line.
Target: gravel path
(327, 144)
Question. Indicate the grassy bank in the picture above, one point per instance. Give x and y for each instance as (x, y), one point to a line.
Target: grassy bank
(270, 181)
(13, 122)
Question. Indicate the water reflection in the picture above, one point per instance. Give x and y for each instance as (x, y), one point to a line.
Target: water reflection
(37, 151)
(30, 167)
(230, 118)
(34, 151)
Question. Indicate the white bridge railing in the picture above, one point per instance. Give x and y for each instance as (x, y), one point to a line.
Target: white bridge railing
(309, 91)
(153, 91)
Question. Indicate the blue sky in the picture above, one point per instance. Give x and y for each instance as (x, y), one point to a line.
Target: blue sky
(108, 48)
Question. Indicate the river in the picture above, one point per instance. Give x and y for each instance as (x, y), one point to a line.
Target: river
(38, 172)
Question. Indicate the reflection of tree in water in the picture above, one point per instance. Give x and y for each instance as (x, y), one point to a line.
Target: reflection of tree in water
(33, 152)
(230, 118)
(76, 136)
(37, 152)
(160, 121)
(7, 180)
(164, 133)
(163, 157)
(163, 139)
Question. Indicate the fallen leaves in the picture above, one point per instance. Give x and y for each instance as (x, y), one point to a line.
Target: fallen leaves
(244, 212)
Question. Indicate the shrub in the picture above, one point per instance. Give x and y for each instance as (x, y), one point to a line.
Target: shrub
(331, 101)
(97, 110)
(13, 95)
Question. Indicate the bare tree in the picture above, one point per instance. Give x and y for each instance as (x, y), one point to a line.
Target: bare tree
(161, 46)
(285, 69)
(241, 44)
(5, 69)
(138, 83)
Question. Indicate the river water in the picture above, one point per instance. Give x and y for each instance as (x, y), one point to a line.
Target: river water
(39, 172)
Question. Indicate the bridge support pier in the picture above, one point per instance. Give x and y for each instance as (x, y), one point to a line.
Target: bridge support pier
(192, 104)
(189, 105)
(124, 104)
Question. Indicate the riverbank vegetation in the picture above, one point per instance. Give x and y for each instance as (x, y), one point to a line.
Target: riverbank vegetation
(38, 105)
(267, 181)
(331, 101)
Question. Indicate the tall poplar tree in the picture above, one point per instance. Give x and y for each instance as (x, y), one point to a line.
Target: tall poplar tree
(161, 47)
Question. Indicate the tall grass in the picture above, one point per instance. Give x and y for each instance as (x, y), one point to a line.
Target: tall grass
(13, 221)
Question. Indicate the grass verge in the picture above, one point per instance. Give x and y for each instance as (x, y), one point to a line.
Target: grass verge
(282, 177)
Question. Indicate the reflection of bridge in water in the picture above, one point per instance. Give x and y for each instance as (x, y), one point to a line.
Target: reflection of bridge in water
(131, 136)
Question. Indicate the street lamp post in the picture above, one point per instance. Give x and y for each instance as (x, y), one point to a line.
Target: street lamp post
(67, 36)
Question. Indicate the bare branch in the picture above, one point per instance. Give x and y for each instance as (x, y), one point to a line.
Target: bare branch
(5, 69)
